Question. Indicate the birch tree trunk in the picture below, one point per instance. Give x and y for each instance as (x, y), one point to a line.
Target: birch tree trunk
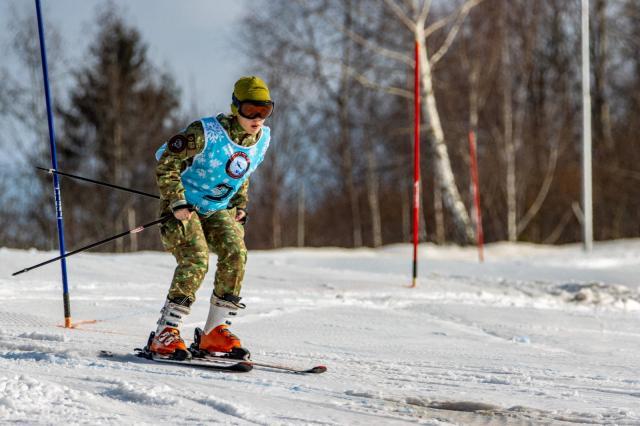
(345, 136)
(405, 202)
(600, 72)
(372, 194)
(509, 147)
(347, 169)
(407, 196)
(445, 178)
(133, 238)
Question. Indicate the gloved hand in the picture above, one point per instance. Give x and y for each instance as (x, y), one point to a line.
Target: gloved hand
(183, 212)
(241, 215)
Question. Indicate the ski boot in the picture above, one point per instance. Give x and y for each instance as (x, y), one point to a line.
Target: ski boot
(217, 339)
(166, 341)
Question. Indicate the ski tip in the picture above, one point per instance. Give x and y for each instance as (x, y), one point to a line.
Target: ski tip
(317, 369)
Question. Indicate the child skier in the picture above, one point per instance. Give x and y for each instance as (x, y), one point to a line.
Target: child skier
(202, 174)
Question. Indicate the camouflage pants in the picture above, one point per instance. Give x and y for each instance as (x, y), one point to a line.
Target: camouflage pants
(192, 240)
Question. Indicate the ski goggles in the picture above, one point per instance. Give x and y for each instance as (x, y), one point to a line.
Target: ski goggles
(253, 109)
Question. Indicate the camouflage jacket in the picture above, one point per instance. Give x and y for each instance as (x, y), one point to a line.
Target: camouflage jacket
(172, 164)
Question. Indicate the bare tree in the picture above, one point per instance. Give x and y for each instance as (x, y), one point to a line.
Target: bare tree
(413, 16)
(342, 96)
(508, 72)
(507, 138)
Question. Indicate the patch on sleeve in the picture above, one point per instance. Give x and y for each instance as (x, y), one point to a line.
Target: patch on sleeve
(177, 144)
(192, 141)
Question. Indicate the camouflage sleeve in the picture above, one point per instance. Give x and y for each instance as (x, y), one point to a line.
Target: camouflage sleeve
(178, 154)
(241, 198)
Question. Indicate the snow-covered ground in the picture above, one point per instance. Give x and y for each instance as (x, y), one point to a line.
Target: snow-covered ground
(534, 335)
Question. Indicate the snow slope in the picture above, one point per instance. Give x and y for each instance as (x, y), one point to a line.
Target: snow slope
(536, 334)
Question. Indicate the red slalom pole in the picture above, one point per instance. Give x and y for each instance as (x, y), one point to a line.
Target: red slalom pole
(416, 162)
(476, 193)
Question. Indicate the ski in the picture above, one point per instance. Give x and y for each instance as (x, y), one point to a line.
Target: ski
(241, 354)
(212, 364)
(221, 363)
(236, 361)
(318, 369)
(216, 365)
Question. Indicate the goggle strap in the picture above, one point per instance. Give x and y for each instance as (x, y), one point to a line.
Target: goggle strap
(237, 102)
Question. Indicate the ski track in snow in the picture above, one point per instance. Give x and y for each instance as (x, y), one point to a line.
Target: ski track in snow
(535, 335)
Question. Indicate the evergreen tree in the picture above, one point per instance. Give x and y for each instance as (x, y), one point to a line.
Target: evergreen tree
(121, 109)
(26, 196)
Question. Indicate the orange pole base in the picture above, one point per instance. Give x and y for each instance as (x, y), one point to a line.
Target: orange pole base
(68, 324)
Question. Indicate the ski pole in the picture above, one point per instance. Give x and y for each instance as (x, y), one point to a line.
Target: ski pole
(106, 240)
(97, 182)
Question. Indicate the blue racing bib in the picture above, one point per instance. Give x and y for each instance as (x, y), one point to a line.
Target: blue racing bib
(219, 171)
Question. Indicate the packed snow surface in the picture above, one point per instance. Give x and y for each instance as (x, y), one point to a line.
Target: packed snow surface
(535, 334)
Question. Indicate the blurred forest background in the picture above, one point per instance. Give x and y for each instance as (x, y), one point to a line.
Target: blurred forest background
(339, 169)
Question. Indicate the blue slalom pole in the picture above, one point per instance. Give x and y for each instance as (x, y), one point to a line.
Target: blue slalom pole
(54, 166)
